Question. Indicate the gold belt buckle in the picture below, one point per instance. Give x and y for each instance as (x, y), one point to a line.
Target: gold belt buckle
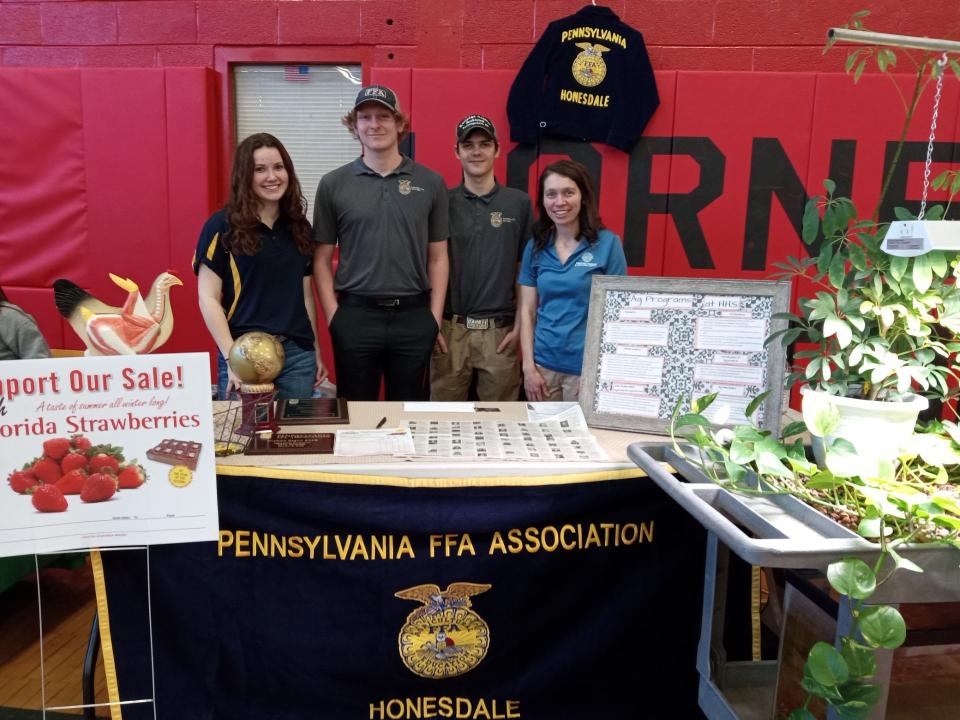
(477, 323)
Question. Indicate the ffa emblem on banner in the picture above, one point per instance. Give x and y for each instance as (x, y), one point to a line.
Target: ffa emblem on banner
(496, 219)
(404, 187)
(589, 69)
(444, 637)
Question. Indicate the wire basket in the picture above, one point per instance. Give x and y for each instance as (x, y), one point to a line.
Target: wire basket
(226, 419)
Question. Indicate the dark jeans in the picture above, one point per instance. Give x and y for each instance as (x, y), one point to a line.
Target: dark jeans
(372, 342)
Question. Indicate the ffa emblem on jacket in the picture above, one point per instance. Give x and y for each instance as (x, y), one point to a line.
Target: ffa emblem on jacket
(404, 187)
(588, 67)
(496, 219)
(443, 637)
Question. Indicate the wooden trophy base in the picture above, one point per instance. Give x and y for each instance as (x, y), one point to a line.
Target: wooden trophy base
(257, 413)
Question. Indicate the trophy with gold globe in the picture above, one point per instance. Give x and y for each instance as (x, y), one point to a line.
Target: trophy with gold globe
(256, 358)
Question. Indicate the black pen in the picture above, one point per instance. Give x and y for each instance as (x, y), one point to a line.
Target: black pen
(383, 421)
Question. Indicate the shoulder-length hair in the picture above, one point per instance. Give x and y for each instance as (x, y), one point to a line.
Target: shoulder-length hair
(243, 205)
(3, 296)
(590, 223)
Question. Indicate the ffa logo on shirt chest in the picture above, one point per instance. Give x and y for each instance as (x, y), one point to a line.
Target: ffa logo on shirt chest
(405, 187)
(589, 69)
(497, 219)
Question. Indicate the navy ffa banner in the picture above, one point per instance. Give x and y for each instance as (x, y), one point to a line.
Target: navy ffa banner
(575, 599)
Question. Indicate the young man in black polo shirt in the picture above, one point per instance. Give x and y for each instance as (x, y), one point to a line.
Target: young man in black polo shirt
(489, 226)
(388, 215)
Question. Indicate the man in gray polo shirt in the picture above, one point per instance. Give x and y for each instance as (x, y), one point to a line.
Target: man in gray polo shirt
(489, 227)
(388, 215)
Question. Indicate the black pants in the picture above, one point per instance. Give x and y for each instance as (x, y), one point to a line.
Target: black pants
(370, 343)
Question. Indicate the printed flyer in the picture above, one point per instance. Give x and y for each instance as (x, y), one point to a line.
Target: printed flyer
(106, 451)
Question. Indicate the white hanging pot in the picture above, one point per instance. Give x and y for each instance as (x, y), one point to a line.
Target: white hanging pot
(878, 429)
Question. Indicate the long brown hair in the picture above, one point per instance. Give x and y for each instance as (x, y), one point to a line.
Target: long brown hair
(243, 204)
(590, 223)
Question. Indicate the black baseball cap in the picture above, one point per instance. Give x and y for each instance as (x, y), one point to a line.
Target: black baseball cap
(380, 94)
(476, 122)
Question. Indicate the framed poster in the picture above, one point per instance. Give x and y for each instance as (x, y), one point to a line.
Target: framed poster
(652, 341)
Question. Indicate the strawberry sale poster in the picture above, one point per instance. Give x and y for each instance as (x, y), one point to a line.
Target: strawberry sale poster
(106, 451)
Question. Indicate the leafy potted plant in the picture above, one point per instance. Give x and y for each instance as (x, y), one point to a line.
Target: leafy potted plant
(884, 328)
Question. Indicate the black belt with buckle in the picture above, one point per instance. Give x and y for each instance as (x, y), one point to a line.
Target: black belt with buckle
(475, 323)
(400, 302)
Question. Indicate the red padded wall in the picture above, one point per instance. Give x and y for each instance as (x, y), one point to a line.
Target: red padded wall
(43, 230)
(732, 110)
(109, 171)
(192, 169)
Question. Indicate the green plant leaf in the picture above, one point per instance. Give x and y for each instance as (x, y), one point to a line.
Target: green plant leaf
(859, 71)
(795, 428)
(833, 325)
(691, 419)
(851, 60)
(902, 563)
(838, 271)
(755, 403)
(898, 267)
(955, 66)
(861, 660)
(859, 699)
(827, 665)
(852, 577)
(742, 453)
(698, 405)
(922, 273)
(801, 714)
(882, 626)
(870, 527)
(811, 222)
(809, 684)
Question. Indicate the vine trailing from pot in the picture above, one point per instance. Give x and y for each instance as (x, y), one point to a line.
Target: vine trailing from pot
(912, 500)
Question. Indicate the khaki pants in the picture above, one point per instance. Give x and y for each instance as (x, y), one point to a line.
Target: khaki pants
(498, 374)
(563, 387)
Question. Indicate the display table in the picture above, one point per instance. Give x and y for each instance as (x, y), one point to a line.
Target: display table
(399, 589)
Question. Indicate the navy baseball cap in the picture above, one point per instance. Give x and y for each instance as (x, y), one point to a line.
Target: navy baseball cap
(476, 122)
(380, 94)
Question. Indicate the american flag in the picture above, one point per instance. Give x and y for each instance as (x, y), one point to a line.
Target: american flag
(296, 73)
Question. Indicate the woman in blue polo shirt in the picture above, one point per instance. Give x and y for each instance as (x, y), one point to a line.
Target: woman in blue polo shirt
(569, 245)
(254, 262)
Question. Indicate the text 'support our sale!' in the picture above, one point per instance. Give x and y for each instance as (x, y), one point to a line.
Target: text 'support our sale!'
(106, 451)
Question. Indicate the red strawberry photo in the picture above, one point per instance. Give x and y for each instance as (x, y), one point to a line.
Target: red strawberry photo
(22, 481)
(72, 482)
(105, 457)
(46, 470)
(73, 460)
(56, 448)
(80, 443)
(98, 487)
(48, 498)
(132, 475)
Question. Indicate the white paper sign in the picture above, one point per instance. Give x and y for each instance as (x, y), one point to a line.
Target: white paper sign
(80, 426)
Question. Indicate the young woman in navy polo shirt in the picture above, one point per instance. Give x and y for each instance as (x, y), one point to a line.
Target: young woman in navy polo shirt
(568, 247)
(254, 263)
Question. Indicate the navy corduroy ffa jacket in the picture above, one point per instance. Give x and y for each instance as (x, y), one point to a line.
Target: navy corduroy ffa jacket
(589, 78)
